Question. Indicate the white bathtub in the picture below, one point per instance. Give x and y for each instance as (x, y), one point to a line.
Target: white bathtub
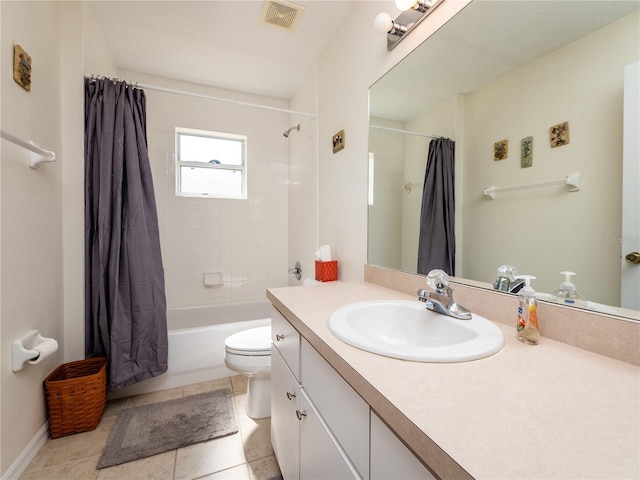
(196, 343)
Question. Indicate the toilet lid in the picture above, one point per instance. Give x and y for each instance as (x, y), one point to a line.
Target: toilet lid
(255, 341)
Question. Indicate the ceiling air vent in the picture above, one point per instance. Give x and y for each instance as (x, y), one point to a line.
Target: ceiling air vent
(281, 14)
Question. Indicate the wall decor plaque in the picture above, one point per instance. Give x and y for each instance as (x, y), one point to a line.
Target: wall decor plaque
(559, 135)
(338, 141)
(22, 67)
(501, 150)
(526, 152)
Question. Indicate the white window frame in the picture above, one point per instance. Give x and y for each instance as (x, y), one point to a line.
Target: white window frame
(242, 169)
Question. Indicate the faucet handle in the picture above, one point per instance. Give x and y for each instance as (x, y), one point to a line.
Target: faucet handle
(438, 279)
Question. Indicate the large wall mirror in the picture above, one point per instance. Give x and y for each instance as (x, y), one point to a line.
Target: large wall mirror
(510, 71)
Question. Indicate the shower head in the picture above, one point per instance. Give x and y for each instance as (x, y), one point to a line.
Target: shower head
(286, 134)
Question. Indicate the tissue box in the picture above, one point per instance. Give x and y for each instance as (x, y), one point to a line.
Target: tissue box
(327, 271)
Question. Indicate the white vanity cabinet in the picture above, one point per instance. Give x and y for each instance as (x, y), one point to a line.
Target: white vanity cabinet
(343, 410)
(285, 426)
(390, 458)
(285, 391)
(320, 427)
(302, 441)
(287, 340)
(321, 456)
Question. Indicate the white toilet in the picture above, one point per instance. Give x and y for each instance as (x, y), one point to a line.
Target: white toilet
(249, 352)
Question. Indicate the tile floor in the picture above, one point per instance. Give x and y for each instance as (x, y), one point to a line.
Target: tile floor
(246, 455)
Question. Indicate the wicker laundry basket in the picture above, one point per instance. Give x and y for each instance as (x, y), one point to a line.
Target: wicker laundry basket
(76, 395)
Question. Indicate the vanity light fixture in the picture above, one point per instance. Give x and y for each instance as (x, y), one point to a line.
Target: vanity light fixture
(383, 23)
(419, 5)
(413, 12)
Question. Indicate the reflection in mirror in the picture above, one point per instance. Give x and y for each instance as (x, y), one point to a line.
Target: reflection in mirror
(510, 71)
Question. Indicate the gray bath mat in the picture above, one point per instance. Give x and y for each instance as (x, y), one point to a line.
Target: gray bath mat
(159, 427)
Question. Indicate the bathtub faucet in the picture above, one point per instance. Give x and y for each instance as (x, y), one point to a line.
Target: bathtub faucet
(296, 270)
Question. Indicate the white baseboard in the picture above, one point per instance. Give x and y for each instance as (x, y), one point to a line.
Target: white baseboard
(28, 454)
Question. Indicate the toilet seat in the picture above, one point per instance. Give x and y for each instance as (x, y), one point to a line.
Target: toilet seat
(252, 342)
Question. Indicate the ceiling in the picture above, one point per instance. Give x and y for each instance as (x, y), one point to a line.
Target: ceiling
(219, 43)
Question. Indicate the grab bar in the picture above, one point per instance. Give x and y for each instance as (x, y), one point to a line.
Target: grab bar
(37, 154)
(572, 181)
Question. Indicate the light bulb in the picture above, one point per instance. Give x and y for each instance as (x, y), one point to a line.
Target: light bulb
(383, 23)
(405, 4)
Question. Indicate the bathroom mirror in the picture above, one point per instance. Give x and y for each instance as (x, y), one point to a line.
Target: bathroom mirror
(507, 71)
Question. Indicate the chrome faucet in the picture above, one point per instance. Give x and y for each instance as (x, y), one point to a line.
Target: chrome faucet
(507, 281)
(441, 299)
(505, 285)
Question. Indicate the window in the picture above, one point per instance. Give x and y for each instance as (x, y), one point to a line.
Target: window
(210, 164)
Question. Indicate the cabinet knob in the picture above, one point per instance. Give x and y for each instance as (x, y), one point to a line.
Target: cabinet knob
(633, 257)
(279, 337)
(301, 414)
(291, 396)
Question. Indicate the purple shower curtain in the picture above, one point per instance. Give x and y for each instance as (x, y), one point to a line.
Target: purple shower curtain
(437, 242)
(125, 303)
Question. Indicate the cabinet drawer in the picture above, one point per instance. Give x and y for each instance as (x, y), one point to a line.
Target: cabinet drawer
(287, 340)
(343, 410)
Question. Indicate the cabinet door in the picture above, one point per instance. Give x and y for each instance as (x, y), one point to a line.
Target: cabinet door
(285, 436)
(320, 456)
(342, 409)
(390, 458)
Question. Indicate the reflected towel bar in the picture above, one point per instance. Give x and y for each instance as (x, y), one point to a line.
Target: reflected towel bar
(572, 181)
(37, 155)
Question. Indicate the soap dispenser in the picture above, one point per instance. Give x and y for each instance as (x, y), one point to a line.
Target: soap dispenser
(567, 294)
(527, 324)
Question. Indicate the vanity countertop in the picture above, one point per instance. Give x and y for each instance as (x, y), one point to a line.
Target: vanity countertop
(540, 412)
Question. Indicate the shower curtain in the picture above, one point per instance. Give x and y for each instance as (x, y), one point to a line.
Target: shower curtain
(437, 243)
(125, 303)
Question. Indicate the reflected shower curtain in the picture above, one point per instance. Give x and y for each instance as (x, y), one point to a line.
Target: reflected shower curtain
(437, 243)
(125, 303)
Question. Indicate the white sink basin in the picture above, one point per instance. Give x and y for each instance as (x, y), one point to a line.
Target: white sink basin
(407, 330)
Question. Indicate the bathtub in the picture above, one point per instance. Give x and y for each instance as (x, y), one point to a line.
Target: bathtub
(196, 343)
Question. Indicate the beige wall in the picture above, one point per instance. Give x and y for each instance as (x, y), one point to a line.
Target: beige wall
(31, 218)
(72, 124)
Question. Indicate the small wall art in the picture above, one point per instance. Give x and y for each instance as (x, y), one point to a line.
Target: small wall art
(559, 135)
(22, 67)
(338, 141)
(501, 150)
(526, 152)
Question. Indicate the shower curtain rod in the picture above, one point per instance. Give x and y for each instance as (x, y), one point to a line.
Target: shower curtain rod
(407, 132)
(209, 97)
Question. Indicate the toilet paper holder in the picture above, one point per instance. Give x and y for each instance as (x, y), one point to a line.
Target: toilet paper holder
(33, 348)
